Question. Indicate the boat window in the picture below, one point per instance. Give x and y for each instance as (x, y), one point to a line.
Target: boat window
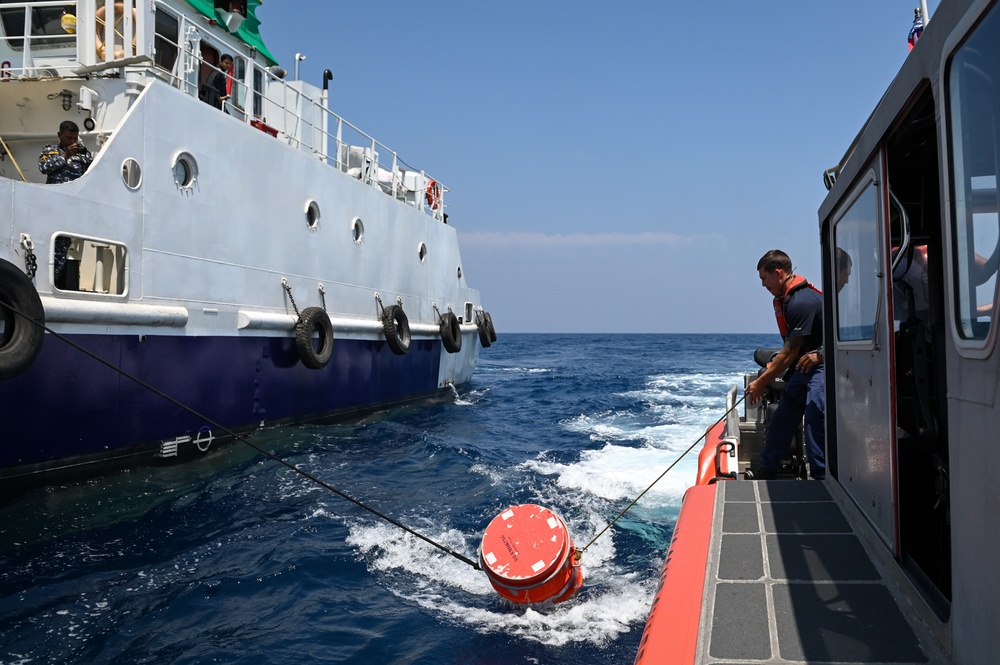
(166, 40)
(974, 98)
(131, 173)
(44, 21)
(89, 264)
(239, 91)
(856, 257)
(312, 214)
(185, 170)
(258, 93)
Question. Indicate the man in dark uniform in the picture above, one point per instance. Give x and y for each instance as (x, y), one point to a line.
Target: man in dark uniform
(216, 88)
(798, 307)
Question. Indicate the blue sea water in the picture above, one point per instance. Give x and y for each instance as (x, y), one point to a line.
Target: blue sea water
(236, 559)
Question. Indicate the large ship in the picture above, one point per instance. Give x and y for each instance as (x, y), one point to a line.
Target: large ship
(893, 557)
(233, 246)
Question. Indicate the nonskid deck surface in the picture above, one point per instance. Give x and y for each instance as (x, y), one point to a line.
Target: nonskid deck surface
(788, 582)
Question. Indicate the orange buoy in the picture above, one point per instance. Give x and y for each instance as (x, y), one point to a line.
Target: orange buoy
(529, 556)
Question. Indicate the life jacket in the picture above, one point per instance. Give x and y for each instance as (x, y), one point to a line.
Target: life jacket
(780, 302)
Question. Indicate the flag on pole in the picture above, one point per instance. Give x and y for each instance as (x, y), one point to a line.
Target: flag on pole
(916, 30)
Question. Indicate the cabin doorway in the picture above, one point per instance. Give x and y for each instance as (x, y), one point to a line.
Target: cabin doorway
(917, 314)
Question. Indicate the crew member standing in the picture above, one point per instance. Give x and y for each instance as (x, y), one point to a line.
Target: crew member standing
(67, 160)
(63, 162)
(798, 307)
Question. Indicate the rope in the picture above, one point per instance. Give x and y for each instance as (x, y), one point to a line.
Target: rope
(241, 439)
(580, 552)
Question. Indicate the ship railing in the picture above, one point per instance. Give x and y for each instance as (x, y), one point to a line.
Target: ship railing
(297, 113)
(309, 125)
(52, 38)
(31, 27)
(292, 111)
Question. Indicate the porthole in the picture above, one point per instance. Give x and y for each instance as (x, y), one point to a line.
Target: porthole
(312, 214)
(358, 230)
(185, 170)
(131, 173)
(422, 252)
(460, 272)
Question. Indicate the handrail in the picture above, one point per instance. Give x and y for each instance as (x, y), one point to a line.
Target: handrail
(306, 122)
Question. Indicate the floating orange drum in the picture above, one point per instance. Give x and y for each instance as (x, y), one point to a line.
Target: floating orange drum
(529, 556)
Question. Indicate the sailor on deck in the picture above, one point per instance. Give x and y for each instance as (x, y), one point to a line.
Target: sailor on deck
(798, 307)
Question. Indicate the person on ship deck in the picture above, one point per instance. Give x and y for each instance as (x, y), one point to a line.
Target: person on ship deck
(63, 162)
(798, 308)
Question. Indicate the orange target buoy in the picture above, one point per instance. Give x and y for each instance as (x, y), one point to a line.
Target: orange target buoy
(529, 556)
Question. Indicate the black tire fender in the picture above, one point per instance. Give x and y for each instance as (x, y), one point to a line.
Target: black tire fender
(451, 332)
(21, 340)
(484, 332)
(396, 328)
(489, 326)
(314, 319)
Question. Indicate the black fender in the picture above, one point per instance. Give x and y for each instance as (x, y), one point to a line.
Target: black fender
(484, 332)
(489, 326)
(21, 339)
(314, 319)
(396, 328)
(451, 332)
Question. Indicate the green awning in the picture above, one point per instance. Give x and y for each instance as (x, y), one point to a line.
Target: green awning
(248, 31)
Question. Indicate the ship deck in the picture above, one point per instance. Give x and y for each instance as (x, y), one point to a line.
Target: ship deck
(789, 581)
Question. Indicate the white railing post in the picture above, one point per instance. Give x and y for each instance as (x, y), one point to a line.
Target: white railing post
(109, 30)
(86, 48)
(128, 29)
(144, 28)
(29, 63)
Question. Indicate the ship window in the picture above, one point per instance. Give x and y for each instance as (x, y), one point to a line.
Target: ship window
(89, 265)
(44, 21)
(857, 285)
(185, 170)
(239, 74)
(312, 214)
(258, 93)
(165, 41)
(358, 230)
(422, 252)
(974, 97)
(131, 173)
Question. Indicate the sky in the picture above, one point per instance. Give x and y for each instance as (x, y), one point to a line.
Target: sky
(613, 167)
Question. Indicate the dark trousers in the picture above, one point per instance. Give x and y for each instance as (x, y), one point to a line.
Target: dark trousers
(803, 397)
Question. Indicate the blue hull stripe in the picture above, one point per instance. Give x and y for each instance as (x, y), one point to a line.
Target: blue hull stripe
(69, 405)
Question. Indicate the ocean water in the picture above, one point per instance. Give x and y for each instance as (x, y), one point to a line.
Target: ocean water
(236, 559)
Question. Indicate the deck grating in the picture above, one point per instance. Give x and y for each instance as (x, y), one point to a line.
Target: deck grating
(789, 582)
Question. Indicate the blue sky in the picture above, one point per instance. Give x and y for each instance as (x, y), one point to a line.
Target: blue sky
(614, 167)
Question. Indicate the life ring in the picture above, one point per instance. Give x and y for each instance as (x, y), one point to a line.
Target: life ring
(433, 195)
(99, 23)
(396, 328)
(489, 326)
(314, 319)
(20, 340)
(451, 333)
(484, 333)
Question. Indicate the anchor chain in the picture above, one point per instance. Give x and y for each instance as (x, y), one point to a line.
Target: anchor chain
(288, 289)
(30, 262)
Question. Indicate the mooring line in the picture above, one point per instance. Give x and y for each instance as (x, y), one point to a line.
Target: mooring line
(242, 439)
(579, 552)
